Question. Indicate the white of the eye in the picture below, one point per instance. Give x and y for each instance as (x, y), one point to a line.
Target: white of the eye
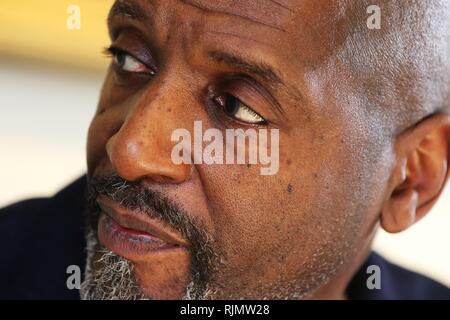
(132, 65)
(247, 115)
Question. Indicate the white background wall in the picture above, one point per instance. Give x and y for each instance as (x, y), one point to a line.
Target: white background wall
(44, 116)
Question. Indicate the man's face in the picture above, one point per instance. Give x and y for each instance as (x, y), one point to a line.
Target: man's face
(234, 64)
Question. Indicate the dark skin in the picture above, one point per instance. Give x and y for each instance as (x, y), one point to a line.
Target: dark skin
(354, 153)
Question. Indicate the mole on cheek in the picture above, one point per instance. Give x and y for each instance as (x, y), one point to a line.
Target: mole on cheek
(290, 188)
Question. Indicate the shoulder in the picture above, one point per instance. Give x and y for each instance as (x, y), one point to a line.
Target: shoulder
(396, 283)
(39, 239)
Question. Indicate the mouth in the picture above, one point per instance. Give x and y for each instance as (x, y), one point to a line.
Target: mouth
(133, 234)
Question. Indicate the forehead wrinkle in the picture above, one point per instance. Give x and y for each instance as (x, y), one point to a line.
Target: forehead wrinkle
(269, 7)
(282, 5)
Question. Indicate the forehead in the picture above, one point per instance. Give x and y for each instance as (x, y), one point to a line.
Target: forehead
(308, 29)
(279, 14)
(267, 13)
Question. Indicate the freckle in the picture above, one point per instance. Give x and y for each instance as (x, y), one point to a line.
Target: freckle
(288, 161)
(169, 110)
(290, 188)
(316, 175)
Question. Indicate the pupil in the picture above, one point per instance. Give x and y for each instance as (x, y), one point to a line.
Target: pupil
(231, 104)
(120, 59)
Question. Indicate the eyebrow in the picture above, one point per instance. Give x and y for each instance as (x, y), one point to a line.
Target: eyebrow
(126, 9)
(258, 68)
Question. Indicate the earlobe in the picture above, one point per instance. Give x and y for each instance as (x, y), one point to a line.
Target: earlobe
(400, 213)
(420, 173)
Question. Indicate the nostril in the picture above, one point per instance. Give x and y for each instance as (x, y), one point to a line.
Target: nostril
(137, 155)
(173, 174)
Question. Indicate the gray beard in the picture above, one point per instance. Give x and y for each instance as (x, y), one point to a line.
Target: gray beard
(114, 279)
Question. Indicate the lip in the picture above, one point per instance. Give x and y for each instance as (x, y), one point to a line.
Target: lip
(132, 234)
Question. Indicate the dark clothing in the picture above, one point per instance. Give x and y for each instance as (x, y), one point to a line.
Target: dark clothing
(41, 238)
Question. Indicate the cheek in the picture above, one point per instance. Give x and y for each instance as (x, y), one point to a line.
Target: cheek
(255, 216)
(317, 200)
(107, 121)
(96, 137)
(95, 146)
(102, 128)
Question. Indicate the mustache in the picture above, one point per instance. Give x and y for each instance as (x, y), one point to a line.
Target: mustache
(134, 196)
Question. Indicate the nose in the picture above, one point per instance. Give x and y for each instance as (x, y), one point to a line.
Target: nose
(142, 147)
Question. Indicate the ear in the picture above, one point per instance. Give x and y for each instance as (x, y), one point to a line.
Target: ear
(420, 172)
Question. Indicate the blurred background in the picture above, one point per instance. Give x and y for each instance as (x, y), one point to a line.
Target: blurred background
(51, 72)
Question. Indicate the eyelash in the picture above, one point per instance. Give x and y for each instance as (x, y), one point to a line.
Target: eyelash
(222, 109)
(114, 52)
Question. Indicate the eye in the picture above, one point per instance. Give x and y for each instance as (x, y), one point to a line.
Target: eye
(128, 63)
(235, 108)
